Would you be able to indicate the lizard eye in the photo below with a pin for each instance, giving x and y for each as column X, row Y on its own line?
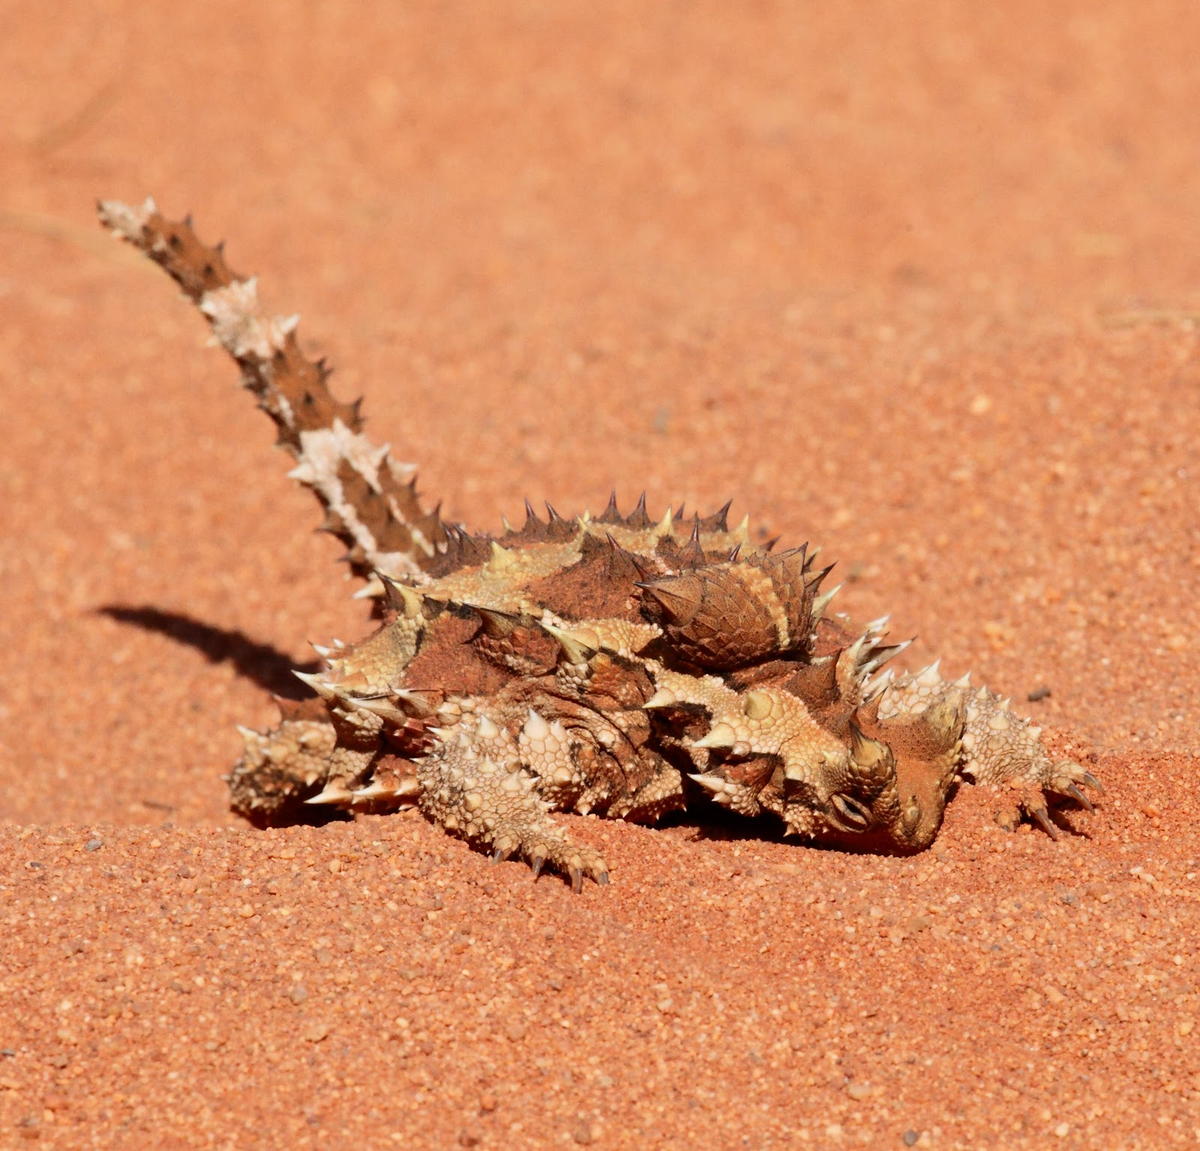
column 854, row 815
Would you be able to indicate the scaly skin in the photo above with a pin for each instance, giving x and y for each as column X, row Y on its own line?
column 613, row 664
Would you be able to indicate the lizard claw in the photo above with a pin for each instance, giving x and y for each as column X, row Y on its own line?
column 1079, row 797
column 1043, row 818
column 1062, row 778
column 583, row 861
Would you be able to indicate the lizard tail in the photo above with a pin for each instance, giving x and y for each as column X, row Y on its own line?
column 370, row 501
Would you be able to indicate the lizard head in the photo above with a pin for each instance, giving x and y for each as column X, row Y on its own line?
column 890, row 793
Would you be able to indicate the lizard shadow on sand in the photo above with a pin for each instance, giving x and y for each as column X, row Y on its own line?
column 260, row 663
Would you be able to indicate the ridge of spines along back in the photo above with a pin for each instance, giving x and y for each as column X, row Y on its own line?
column 636, row 536
column 370, row 502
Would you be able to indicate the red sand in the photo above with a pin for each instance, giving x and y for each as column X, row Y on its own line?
column 917, row 281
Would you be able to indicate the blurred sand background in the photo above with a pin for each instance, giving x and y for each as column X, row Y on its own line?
column 917, row 281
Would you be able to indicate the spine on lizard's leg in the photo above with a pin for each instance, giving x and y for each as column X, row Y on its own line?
column 370, row 501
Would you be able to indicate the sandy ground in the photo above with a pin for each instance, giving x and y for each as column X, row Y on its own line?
column 916, row 280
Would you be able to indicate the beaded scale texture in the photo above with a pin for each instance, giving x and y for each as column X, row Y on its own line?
column 613, row 664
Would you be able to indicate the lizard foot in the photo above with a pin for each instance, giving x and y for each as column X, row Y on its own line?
column 1028, row 794
column 1006, row 750
column 999, row 749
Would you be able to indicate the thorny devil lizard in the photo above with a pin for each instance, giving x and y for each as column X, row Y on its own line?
column 608, row 664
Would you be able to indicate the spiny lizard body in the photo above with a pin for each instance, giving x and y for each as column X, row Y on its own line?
column 614, row 664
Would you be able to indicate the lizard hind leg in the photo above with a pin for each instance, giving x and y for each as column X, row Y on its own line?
column 305, row 768
column 279, row 768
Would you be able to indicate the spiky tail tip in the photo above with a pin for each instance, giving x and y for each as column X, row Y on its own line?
column 370, row 501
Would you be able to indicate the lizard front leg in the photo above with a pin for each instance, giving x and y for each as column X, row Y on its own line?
column 475, row 785
column 999, row 748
